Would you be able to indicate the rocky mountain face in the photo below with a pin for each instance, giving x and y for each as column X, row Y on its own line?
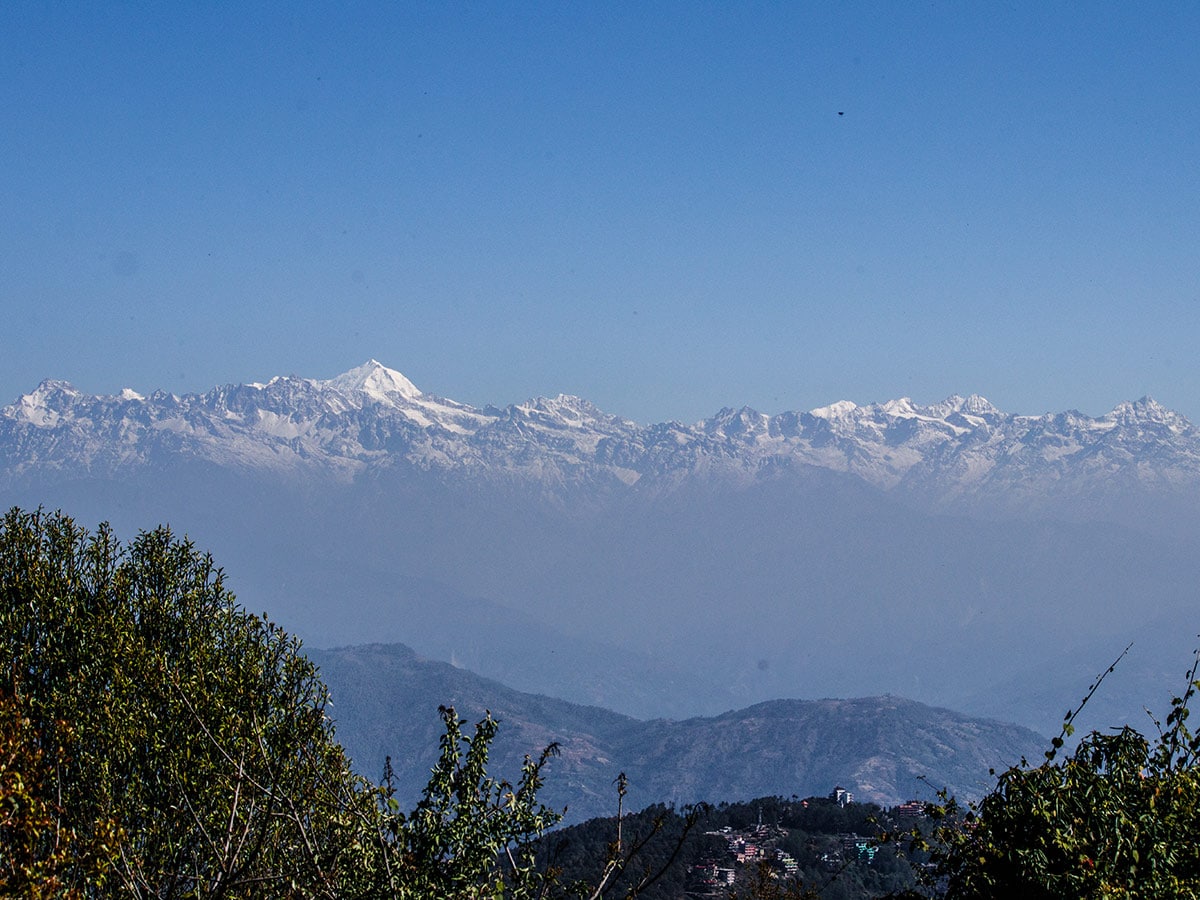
column 951, row 552
column 885, row 749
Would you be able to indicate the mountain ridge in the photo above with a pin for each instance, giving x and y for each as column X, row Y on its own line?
column 956, row 453
column 886, row 749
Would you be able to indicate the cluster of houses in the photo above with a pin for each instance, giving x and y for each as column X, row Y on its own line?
column 748, row 846
column 760, row 844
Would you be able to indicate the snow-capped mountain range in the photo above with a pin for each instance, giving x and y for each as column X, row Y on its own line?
column 949, row 454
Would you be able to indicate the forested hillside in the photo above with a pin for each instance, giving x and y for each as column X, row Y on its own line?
column 837, row 851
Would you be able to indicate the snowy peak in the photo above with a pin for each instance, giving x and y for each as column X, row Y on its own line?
column 1146, row 411
column 568, row 411
column 737, row 423
column 955, row 404
column 973, row 405
column 844, row 412
column 50, row 390
column 903, row 408
column 844, row 408
column 947, row 454
column 375, row 380
column 46, row 403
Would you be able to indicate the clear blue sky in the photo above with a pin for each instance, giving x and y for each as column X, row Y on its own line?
column 666, row 208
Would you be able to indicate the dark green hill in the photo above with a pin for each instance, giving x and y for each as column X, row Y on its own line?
column 884, row 749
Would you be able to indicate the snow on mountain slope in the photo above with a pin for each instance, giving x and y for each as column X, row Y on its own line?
column 953, row 452
column 376, row 381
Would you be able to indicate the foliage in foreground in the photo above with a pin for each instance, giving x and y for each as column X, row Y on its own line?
column 1119, row 817
column 38, row 853
column 156, row 740
column 468, row 822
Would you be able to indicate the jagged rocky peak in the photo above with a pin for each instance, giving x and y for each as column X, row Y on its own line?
column 978, row 406
column 1144, row 408
column 51, row 387
column 44, row 404
column 375, row 380
column 563, row 404
column 740, row 422
column 1147, row 411
column 907, row 408
column 973, row 405
column 902, row 407
column 566, row 410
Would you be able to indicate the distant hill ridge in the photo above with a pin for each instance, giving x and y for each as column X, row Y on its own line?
column 884, row 749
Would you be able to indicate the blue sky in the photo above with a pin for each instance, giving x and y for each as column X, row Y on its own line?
column 666, row 208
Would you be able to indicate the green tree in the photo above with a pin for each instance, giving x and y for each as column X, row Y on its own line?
column 1118, row 817
column 196, row 729
column 471, row 835
column 34, row 851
